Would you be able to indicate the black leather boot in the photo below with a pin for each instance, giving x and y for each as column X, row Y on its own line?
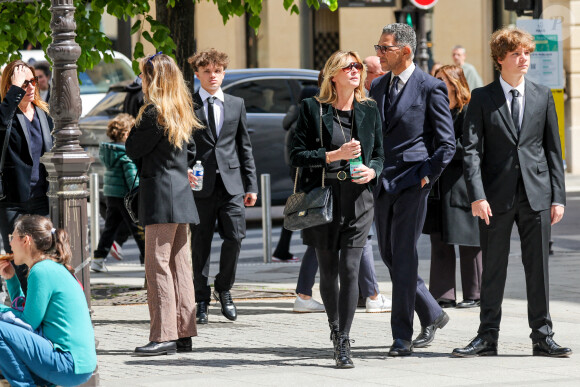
column 342, row 352
column 334, row 333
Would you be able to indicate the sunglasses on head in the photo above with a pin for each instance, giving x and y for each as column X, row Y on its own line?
column 33, row 82
column 353, row 65
column 149, row 61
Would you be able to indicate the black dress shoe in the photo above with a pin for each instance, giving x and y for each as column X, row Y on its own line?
column 548, row 347
column 467, row 303
column 445, row 303
column 428, row 333
column 478, row 347
column 184, row 344
column 228, row 308
column 201, row 312
column 154, row 348
column 401, row 348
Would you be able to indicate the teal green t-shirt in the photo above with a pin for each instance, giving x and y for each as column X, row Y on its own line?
column 56, row 301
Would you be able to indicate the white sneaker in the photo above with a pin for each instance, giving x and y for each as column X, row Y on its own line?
column 98, row 265
column 381, row 304
column 116, row 251
column 307, row 306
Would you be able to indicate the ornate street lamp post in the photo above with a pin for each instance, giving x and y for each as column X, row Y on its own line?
column 67, row 163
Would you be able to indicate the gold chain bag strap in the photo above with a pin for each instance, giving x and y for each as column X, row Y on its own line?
column 309, row 209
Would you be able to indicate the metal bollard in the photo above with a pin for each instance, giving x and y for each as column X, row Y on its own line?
column 94, row 223
column 266, row 217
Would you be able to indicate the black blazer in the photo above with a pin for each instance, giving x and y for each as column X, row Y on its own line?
column 418, row 131
column 164, row 190
column 230, row 154
column 495, row 154
column 18, row 162
column 311, row 156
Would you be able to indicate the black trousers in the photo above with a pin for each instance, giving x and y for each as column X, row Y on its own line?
column 399, row 221
column 116, row 215
column 229, row 212
column 442, row 271
column 534, row 229
column 9, row 212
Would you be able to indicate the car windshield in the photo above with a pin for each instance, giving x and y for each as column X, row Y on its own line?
column 102, row 76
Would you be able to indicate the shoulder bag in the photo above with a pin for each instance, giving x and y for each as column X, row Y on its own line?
column 309, row 209
column 132, row 202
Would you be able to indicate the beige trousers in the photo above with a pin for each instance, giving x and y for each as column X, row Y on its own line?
column 170, row 292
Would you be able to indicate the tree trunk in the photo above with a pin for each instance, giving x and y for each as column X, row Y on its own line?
column 180, row 21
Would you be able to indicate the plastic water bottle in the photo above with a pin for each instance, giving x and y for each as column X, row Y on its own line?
column 198, row 172
column 355, row 163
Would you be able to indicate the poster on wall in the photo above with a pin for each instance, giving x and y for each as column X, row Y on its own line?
column 547, row 61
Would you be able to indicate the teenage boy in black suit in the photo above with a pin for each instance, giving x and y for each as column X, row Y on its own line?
column 514, row 173
column 229, row 181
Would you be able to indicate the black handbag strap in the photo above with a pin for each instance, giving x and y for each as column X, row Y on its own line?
column 323, row 169
column 134, row 181
column 5, row 147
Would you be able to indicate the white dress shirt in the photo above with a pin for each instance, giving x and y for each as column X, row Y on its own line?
column 218, row 107
column 403, row 77
column 507, row 88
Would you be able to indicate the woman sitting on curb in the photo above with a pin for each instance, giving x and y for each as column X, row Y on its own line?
column 61, row 349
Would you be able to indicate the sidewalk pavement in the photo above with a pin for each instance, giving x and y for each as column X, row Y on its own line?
column 271, row 345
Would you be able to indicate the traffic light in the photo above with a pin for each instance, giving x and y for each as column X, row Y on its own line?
column 519, row 5
column 407, row 15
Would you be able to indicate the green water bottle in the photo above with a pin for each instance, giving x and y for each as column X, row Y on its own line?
column 355, row 163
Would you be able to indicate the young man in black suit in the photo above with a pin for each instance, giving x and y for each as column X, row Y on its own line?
column 514, row 172
column 418, row 141
column 229, row 182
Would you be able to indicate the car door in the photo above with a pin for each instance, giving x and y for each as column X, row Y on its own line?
column 267, row 100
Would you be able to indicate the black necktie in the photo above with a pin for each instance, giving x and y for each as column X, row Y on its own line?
column 394, row 90
column 211, row 117
column 515, row 109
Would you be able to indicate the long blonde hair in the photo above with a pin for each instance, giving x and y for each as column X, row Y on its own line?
column 166, row 90
column 7, row 82
column 334, row 64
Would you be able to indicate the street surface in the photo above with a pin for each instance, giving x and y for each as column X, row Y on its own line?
column 271, row 345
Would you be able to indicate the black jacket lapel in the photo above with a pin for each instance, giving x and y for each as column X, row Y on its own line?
column 498, row 97
column 45, row 128
column 200, row 113
column 407, row 96
column 530, row 104
column 22, row 120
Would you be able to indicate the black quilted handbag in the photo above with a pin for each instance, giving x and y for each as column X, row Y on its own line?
column 132, row 202
column 309, row 209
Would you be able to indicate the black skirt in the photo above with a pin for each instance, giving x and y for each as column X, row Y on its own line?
column 353, row 213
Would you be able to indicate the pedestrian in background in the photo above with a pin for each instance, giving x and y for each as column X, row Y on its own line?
column 160, row 145
column 55, row 342
column 449, row 221
column 351, row 128
column 44, row 74
column 458, row 54
column 120, row 177
column 24, row 115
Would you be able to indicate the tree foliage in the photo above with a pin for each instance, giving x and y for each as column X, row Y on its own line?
column 24, row 22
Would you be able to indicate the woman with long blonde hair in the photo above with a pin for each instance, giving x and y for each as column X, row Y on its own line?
column 25, row 128
column 351, row 133
column 161, row 146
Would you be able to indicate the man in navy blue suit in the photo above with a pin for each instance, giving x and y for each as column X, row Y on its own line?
column 419, row 142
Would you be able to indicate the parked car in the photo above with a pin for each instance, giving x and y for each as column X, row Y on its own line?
column 94, row 83
column 268, row 93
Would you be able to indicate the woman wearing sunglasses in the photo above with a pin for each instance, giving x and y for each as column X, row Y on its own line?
column 351, row 129
column 25, row 128
column 58, row 347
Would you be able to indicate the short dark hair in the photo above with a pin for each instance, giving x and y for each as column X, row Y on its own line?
column 43, row 66
column 209, row 57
